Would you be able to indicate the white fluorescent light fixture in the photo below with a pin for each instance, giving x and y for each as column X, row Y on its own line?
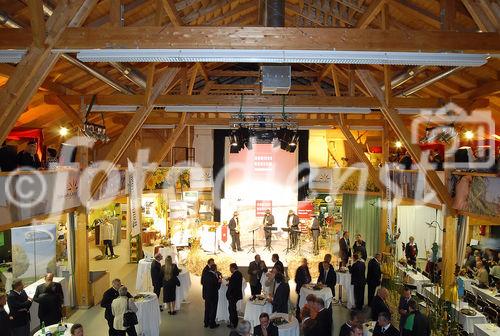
column 11, row 56
column 281, row 56
column 114, row 108
column 154, row 126
column 266, row 109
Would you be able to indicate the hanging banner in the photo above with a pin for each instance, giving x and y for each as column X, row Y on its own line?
column 134, row 202
column 305, row 209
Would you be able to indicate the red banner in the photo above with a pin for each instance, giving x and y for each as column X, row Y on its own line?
column 305, row 209
column 261, row 206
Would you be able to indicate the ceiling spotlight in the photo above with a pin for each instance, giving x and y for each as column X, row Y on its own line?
column 398, row 144
column 234, row 139
column 469, row 135
column 63, row 131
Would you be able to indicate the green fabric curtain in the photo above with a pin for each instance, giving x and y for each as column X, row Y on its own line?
column 362, row 218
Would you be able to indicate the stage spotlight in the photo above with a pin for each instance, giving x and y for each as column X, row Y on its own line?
column 469, row 135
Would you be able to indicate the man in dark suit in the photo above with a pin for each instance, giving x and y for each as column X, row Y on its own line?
column 379, row 303
column 265, row 328
column 8, row 158
column 278, row 264
column 315, row 230
column 384, row 326
column 327, row 275
column 416, row 323
column 211, row 282
column 359, row 247
column 205, row 281
column 234, row 230
column 19, row 305
column 345, row 248
column 268, row 221
column 302, row 277
column 234, row 293
column 256, row 269
column 403, row 307
column 5, row 318
column 157, row 276
column 292, row 222
column 29, row 157
column 281, row 295
column 411, row 252
column 373, row 276
column 107, row 299
column 358, row 280
column 323, row 319
column 50, row 299
column 346, row 328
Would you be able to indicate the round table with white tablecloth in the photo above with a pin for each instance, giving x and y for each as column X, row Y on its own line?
column 148, row 315
column 222, row 304
column 486, row 329
column 143, row 281
column 52, row 328
column 253, row 311
column 182, row 291
column 344, row 280
column 292, row 328
column 467, row 322
column 324, row 293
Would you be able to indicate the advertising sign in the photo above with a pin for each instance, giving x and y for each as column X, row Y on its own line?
column 261, row 207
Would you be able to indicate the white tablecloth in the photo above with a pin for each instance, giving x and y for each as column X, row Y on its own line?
column 487, row 329
column 143, row 279
column 344, row 279
column 253, row 311
column 487, row 295
column 291, row 328
column 468, row 282
column 263, row 280
column 148, row 315
column 222, row 305
column 181, row 293
column 325, row 293
column 53, row 328
column 368, row 328
column 416, row 279
column 468, row 322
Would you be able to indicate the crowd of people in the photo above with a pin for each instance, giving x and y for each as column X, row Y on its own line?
column 50, row 298
column 483, row 266
column 10, row 159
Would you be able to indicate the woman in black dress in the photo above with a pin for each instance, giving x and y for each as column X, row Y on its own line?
column 170, row 282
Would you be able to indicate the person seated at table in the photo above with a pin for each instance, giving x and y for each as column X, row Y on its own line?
column 234, row 293
column 76, row 330
column 323, row 319
column 243, row 328
column 170, row 283
column 416, row 324
column 308, row 324
column 50, row 299
column 384, row 326
column 379, row 303
column 266, row 327
column 157, row 276
column 481, row 275
column 403, row 308
column 119, row 307
column 495, row 272
column 281, row 295
column 311, row 305
column 327, row 275
column 411, row 252
column 357, row 330
column 354, row 319
column 256, row 269
column 302, row 277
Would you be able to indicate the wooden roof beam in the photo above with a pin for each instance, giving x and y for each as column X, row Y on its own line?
column 420, row 14
column 172, row 13
column 397, row 124
column 370, row 14
column 479, row 17
column 488, row 89
column 37, row 22
column 240, row 8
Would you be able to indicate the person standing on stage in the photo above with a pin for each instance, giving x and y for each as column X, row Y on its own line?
column 345, row 248
column 256, row 269
column 358, row 280
column 302, row 277
column 327, row 275
column 234, row 230
column 315, row 234
column 411, row 252
column 268, row 222
column 374, row 276
column 292, row 222
column 211, row 282
column 157, row 276
column 234, row 294
column 359, row 247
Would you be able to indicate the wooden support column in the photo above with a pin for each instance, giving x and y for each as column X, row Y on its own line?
column 81, row 272
column 37, row 22
column 447, row 14
column 167, row 146
column 449, row 247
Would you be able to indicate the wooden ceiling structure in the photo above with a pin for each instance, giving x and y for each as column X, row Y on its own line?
column 385, row 25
